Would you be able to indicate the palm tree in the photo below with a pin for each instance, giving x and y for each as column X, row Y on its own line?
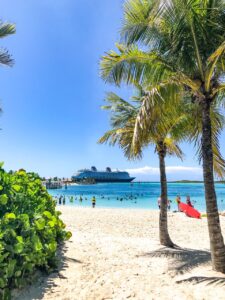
column 5, row 30
column 159, row 132
column 184, row 49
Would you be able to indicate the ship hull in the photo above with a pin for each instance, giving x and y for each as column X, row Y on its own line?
column 109, row 180
column 114, row 180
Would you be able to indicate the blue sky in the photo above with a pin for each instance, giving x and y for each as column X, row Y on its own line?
column 51, row 98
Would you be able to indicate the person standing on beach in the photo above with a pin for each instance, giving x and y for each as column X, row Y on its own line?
column 159, row 202
column 188, row 201
column 178, row 200
column 64, row 200
column 168, row 204
column 93, row 201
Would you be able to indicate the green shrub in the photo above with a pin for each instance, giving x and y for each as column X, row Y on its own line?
column 30, row 229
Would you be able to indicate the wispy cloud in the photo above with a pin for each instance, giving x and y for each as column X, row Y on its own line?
column 147, row 170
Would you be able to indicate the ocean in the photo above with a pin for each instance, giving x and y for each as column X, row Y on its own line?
column 137, row 195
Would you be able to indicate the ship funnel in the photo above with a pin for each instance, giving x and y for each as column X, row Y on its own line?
column 108, row 169
column 94, row 169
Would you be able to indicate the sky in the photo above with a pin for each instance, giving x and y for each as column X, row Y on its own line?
column 51, row 98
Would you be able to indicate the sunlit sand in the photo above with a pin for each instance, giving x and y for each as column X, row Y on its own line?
column 115, row 254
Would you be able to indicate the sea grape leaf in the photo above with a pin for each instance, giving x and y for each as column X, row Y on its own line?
column 10, row 216
column 3, row 282
column 16, row 187
column 19, row 239
column 3, row 199
column 18, row 273
column 51, row 223
column 11, row 267
column 68, row 235
column 37, row 243
column 47, row 214
column 40, row 223
column 18, row 248
column 21, row 172
column 52, row 246
column 3, row 256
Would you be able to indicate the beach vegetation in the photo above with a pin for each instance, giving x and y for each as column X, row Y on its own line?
column 30, row 230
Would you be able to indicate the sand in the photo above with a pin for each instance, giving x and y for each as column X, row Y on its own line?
column 115, row 254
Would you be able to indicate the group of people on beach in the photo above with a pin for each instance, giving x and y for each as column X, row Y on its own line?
column 178, row 201
column 61, row 200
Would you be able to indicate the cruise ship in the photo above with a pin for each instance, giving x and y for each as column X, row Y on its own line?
column 101, row 176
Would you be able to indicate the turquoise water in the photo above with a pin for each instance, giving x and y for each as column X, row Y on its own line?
column 137, row 195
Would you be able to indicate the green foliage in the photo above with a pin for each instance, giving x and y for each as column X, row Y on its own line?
column 30, row 229
column 173, row 49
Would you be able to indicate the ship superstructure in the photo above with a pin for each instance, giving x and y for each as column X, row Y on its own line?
column 102, row 176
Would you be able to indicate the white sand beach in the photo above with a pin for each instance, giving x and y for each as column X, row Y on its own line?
column 115, row 254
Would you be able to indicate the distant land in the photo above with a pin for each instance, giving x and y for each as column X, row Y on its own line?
column 194, row 181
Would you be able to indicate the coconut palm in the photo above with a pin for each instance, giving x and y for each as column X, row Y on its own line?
column 165, row 129
column 159, row 133
column 184, row 49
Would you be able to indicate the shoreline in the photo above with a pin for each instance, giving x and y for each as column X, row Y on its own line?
column 123, row 208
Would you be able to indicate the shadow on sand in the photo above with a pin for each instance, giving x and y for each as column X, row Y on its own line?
column 218, row 281
column 44, row 283
column 183, row 260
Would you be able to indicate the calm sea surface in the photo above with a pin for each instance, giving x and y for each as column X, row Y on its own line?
column 137, row 195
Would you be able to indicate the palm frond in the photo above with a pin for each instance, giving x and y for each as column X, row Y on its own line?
column 131, row 65
column 6, row 29
column 218, row 123
column 5, row 58
column 173, row 148
column 139, row 22
column 212, row 62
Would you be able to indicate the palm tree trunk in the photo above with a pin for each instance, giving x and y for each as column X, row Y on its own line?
column 215, row 235
column 163, row 228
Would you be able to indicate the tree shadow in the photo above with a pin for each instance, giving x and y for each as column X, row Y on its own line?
column 43, row 283
column 182, row 260
column 218, row 281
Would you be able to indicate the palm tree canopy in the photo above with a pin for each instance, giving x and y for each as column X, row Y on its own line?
column 160, row 127
column 184, row 42
column 170, row 124
column 185, row 33
column 183, row 57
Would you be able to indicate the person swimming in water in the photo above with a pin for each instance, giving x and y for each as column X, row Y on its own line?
column 93, row 201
